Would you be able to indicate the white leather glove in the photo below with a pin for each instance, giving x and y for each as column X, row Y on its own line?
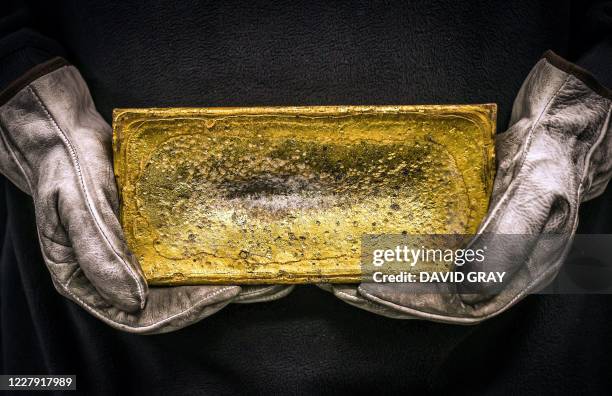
column 57, row 148
column 556, row 154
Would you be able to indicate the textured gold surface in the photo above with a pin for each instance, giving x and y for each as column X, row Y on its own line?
column 284, row 194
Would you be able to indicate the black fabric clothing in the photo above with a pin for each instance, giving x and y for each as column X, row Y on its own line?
column 189, row 53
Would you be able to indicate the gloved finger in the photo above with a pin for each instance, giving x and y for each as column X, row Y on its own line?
column 431, row 301
column 350, row 295
column 262, row 293
column 94, row 234
column 167, row 308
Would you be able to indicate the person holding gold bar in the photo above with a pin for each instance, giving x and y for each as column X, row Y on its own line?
column 255, row 146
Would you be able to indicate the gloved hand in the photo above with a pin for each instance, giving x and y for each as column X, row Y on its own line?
column 556, row 154
column 57, row 148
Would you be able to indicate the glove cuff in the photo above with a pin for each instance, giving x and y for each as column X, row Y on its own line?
column 565, row 103
column 31, row 75
column 580, row 73
column 9, row 163
column 599, row 165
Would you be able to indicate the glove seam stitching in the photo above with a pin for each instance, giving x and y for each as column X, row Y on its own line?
column 76, row 164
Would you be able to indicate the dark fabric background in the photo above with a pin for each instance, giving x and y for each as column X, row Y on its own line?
column 189, row 53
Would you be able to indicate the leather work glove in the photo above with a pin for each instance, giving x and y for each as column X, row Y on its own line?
column 556, row 154
column 57, row 148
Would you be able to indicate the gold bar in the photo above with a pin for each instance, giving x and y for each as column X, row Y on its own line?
column 284, row 194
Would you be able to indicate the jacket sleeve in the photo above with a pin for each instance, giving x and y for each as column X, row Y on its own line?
column 21, row 46
column 596, row 35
